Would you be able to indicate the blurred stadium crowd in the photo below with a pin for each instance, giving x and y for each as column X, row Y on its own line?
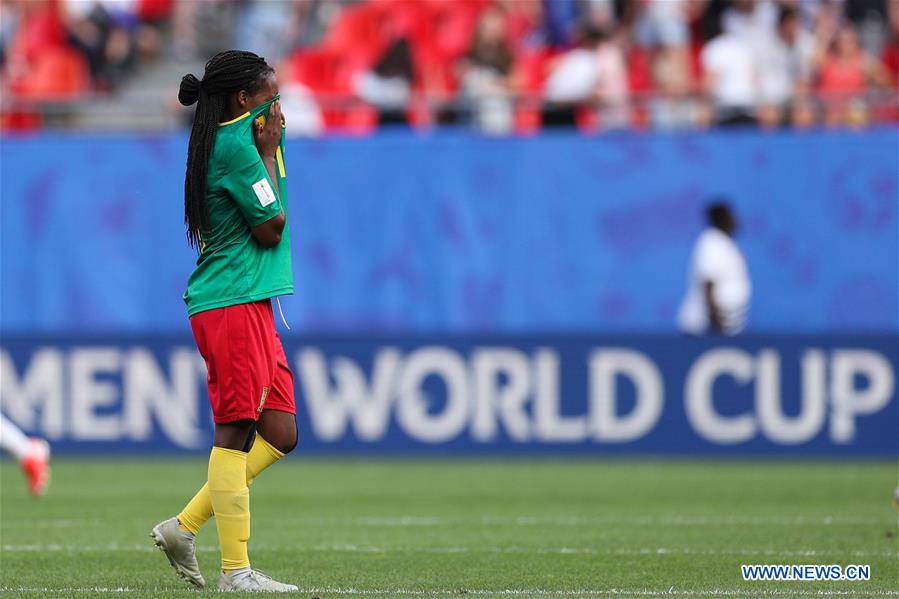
column 499, row 65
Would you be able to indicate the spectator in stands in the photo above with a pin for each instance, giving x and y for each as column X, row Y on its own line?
column 388, row 86
column 757, row 70
column 203, row 29
column 299, row 106
column 662, row 28
column 485, row 74
column 613, row 89
column 845, row 74
column 661, row 23
column 600, row 13
column 869, row 17
column 524, row 20
column 891, row 49
column 40, row 63
column 756, row 19
column 572, row 81
column 803, row 112
column 314, row 18
column 785, row 64
column 102, row 30
column 9, row 21
column 267, row 28
column 673, row 107
column 560, row 20
column 28, row 29
column 731, row 78
column 825, row 24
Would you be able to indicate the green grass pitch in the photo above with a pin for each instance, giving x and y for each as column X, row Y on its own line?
column 481, row 528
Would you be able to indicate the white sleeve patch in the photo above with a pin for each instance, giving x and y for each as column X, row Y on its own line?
column 264, row 192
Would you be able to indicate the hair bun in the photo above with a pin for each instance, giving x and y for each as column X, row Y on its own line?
column 189, row 92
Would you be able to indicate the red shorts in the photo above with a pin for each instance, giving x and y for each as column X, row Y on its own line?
column 245, row 361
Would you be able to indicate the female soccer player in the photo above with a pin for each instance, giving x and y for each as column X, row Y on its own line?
column 235, row 209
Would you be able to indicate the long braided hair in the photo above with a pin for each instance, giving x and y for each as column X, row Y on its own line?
column 226, row 73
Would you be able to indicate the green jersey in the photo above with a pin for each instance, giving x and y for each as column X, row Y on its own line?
column 233, row 268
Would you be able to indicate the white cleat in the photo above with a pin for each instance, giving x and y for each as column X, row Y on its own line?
column 252, row 581
column 181, row 548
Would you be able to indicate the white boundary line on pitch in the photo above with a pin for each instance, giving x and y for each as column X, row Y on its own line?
column 597, row 592
column 512, row 549
column 673, row 520
column 601, row 551
column 426, row 521
column 610, row 592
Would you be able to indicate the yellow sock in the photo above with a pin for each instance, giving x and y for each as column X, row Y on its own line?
column 262, row 455
column 199, row 509
column 231, row 504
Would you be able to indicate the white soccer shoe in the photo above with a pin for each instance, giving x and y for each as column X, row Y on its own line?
column 252, row 581
column 180, row 547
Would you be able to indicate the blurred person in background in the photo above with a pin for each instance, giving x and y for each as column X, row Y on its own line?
column 672, row 106
column 485, row 74
column 39, row 60
column 26, row 30
column 96, row 29
column 803, row 112
column 524, row 19
column 613, row 88
column 661, row 23
column 51, row 41
column 785, row 67
column 306, row 118
column 268, row 28
column 845, row 74
column 202, row 28
column 718, row 286
column 601, row 13
column 891, row 48
column 574, row 82
column 32, row 453
column 731, row 78
column 388, row 86
column 870, row 19
column 235, row 211
column 756, row 19
column 561, row 19
column 112, row 36
column 663, row 28
column 9, row 23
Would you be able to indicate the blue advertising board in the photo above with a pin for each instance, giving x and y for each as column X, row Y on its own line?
column 458, row 232
column 665, row 395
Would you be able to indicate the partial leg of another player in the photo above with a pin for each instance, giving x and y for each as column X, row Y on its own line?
column 33, row 455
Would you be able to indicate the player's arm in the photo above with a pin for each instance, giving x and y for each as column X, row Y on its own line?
column 714, row 314
column 268, row 138
column 268, row 234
